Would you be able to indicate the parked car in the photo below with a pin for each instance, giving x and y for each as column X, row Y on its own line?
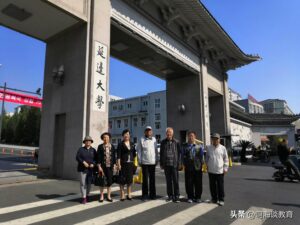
column 236, row 153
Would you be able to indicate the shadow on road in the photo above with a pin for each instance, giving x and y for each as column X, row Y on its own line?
column 286, row 204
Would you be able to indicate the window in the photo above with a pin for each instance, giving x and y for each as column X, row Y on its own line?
column 118, row 123
column 113, row 141
column 157, row 125
column 134, row 140
column 145, row 103
column 143, row 121
column 120, row 107
column 125, row 122
column 129, row 106
column 119, row 140
column 135, row 122
column 157, row 137
column 157, row 103
column 110, row 124
column 115, row 107
column 157, row 116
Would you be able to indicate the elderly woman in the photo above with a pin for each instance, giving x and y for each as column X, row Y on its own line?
column 86, row 158
column 126, row 153
column 106, row 161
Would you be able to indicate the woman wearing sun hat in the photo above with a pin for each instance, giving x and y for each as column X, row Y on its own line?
column 86, row 158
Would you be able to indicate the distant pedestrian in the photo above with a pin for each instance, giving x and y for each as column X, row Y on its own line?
column 106, row 161
column 147, row 158
column 86, row 158
column 192, row 155
column 126, row 153
column 170, row 162
column 217, row 165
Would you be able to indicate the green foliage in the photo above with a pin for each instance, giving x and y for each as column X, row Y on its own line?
column 23, row 128
column 244, row 144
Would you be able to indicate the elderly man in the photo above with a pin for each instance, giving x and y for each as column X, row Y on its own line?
column 148, row 158
column 192, row 155
column 170, row 161
column 217, row 166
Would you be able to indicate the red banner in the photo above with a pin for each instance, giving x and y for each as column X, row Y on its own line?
column 21, row 99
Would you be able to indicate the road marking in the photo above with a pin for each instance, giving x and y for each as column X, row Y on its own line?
column 188, row 215
column 124, row 213
column 31, row 205
column 61, row 212
column 254, row 219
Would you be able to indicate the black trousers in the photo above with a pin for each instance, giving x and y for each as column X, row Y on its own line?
column 148, row 175
column 216, row 185
column 171, row 174
column 193, row 183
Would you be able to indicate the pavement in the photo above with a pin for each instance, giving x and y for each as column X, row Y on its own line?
column 252, row 196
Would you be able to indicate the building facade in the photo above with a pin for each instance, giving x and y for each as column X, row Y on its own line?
column 136, row 113
column 233, row 95
column 251, row 105
column 276, row 106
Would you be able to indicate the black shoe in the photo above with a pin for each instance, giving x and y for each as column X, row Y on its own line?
column 152, row 197
column 144, row 198
column 129, row 198
column 109, row 200
column 122, row 199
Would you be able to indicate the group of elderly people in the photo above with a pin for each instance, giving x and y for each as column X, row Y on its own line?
column 117, row 165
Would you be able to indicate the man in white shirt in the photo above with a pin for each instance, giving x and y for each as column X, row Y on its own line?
column 217, row 166
column 148, row 158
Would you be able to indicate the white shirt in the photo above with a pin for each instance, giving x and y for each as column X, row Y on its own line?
column 147, row 151
column 216, row 159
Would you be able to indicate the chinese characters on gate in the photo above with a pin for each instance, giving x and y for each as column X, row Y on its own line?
column 100, row 77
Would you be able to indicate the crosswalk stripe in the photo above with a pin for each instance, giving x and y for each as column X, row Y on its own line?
column 61, row 212
column 253, row 219
column 124, row 213
column 187, row 215
column 31, row 205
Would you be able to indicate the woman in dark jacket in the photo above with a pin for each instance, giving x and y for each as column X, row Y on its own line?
column 86, row 158
column 126, row 154
column 106, row 160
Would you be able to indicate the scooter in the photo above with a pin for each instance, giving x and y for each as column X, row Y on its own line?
column 282, row 171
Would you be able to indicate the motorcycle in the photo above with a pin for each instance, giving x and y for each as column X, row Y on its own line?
column 262, row 154
column 282, row 173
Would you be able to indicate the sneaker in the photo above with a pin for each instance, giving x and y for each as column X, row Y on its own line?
column 176, row 200
column 221, row 203
column 212, row 201
column 169, row 198
column 190, row 200
column 198, row 200
column 84, row 201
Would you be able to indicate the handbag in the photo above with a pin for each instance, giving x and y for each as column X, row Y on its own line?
column 99, row 180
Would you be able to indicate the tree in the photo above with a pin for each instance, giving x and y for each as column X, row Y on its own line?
column 244, row 144
column 23, row 128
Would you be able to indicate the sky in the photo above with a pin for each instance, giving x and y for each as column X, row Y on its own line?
column 269, row 28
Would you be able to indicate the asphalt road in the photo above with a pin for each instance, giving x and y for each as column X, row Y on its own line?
column 248, row 188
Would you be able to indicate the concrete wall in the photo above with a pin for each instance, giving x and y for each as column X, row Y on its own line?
column 186, row 91
column 68, row 50
column 240, row 131
column 78, row 8
column 72, row 103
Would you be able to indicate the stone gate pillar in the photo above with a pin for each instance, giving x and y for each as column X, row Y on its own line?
column 76, row 91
